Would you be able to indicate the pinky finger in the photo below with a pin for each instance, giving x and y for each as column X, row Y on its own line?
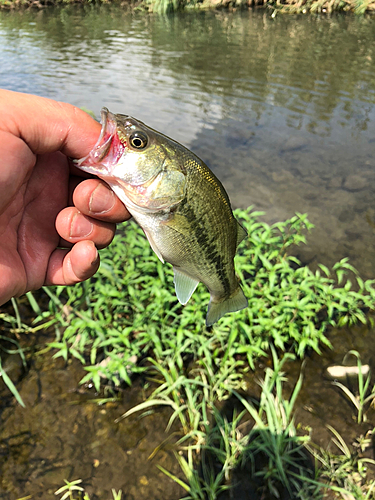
column 67, row 267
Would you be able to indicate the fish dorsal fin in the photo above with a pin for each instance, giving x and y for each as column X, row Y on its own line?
column 153, row 245
column 184, row 285
column 241, row 233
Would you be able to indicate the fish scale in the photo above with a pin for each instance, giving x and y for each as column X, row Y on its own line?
column 181, row 206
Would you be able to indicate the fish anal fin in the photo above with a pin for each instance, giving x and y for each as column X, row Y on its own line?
column 217, row 310
column 184, row 285
column 241, row 233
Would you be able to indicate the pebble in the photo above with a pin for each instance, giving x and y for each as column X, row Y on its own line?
column 294, row 143
column 338, row 371
column 355, row 182
column 282, row 176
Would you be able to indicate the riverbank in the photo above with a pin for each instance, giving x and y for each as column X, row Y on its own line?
column 168, row 6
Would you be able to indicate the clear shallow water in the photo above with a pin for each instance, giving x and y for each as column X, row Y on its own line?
column 281, row 109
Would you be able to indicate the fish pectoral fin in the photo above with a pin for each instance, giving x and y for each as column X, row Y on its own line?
column 178, row 223
column 167, row 189
column 241, row 233
column 184, row 285
column 216, row 310
column 153, row 245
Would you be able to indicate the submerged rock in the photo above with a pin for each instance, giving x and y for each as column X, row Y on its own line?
column 355, row 182
column 294, row 143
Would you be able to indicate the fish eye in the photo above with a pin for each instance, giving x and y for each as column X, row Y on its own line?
column 138, row 140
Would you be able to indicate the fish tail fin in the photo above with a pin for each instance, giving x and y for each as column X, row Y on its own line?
column 216, row 310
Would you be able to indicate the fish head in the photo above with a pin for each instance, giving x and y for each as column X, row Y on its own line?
column 140, row 164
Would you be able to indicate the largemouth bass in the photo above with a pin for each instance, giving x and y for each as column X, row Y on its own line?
column 181, row 206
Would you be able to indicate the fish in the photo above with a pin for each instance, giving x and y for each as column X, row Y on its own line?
column 179, row 203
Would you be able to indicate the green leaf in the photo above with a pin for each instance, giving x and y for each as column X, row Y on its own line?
column 10, row 385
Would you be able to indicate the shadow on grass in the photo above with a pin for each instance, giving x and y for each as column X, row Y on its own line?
column 270, row 465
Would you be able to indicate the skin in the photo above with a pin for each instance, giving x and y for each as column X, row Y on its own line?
column 52, row 218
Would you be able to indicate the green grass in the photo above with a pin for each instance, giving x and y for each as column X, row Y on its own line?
column 365, row 396
column 261, row 441
column 226, row 444
column 345, row 470
column 71, row 491
column 128, row 313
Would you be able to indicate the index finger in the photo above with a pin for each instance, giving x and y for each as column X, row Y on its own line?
column 47, row 125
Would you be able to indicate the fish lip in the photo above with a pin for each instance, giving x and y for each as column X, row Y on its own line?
column 92, row 163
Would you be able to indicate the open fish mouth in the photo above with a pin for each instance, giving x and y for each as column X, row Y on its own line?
column 107, row 150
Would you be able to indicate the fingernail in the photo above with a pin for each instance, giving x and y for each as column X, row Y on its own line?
column 102, row 200
column 95, row 259
column 95, row 262
column 80, row 227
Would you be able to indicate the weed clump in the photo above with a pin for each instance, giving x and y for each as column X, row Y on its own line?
column 128, row 312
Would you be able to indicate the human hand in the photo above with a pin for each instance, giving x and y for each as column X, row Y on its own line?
column 51, row 220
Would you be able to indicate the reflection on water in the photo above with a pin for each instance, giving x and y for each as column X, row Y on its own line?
column 281, row 109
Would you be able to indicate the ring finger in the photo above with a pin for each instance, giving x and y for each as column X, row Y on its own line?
column 73, row 226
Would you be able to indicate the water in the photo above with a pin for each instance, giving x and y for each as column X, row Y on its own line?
column 281, row 109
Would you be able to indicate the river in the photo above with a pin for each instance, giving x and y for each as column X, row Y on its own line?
column 282, row 109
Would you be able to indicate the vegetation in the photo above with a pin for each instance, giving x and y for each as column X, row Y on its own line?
column 71, row 489
column 126, row 320
column 262, row 442
column 275, row 6
column 169, row 6
column 128, row 313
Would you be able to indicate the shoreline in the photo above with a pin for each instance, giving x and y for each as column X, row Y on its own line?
column 169, row 6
